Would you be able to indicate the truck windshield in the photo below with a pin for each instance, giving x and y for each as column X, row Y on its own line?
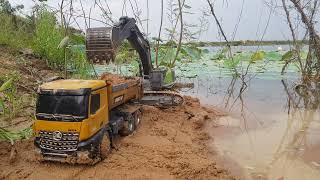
column 62, row 105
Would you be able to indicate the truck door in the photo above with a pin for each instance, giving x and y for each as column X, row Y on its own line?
column 98, row 109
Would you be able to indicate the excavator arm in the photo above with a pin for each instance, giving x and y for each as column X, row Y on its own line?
column 102, row 43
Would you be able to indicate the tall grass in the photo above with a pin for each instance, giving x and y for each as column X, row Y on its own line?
column 78, row 62
column 16, row 37
column 43, row 35
column 10, row 102
column 47, row 37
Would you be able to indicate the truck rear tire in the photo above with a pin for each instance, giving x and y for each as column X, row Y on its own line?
column 137, row 119
column 129, row 126
column 105, row 146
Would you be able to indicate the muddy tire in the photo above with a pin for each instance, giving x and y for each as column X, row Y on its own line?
column 128, row 127
column 105, row 146
column 137, row 119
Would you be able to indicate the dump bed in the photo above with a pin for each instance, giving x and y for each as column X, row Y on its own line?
column 122, row 89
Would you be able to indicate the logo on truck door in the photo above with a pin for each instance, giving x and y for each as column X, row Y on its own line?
column 118, row 99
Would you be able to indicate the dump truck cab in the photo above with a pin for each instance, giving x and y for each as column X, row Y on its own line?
column 74, row 122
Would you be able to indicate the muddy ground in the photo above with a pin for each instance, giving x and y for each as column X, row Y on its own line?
column 169, row 144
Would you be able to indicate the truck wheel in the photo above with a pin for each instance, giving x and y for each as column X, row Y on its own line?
column 128, row 127
column 105, row 146
column 137, row 119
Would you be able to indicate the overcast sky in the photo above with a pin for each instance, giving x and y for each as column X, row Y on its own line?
column 252, row 24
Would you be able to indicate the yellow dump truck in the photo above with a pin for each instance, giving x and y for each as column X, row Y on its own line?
column 76, row 120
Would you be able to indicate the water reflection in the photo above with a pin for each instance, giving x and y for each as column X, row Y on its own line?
column 303, row 110
column 274, row 126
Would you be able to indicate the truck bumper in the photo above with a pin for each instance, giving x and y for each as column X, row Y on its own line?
column 86, row 152
column 78, row 157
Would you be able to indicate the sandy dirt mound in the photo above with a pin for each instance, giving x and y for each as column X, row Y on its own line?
column 116, row 79
column 169, row 144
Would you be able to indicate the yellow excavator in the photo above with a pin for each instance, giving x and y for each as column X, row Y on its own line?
column 77, row 120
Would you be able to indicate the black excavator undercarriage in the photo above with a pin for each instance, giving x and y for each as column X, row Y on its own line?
column 101, row 47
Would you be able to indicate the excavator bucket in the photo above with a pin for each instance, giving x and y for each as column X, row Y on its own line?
column 99, row 45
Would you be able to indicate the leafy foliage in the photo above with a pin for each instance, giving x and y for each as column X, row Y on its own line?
column 232, row 62
column 169, row 76
column 16, row 37
column 222, row 54
column 78, row 62
column 191, row 53
column 42, row 33
column 6, row 7
column 257, row 56
column 47, row 39
column 3, row 88
column 11, row 136
column 10, row 102
column 287, row 56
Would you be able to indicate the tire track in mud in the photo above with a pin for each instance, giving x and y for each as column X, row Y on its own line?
column 170, row 144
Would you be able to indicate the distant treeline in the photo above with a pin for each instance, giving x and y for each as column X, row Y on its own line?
column 244, row 43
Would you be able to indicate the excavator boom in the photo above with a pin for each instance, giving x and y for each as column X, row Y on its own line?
column 102, row 44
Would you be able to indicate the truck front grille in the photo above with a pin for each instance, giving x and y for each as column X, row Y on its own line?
column 61, row 141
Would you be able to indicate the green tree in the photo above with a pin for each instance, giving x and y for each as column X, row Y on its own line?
column 8, row 9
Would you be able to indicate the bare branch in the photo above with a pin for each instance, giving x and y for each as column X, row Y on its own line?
column 159, row 35
column 181, row 34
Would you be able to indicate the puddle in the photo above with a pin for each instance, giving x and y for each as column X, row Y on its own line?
column 265, row 136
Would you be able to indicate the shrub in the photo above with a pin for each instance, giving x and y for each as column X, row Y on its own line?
column 78, row 62
column 47, row 38
column 15, row 37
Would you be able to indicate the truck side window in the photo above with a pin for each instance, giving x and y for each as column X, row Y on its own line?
column 95, row 103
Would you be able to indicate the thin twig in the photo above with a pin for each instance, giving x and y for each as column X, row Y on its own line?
column 159, row 35
column 181, row 34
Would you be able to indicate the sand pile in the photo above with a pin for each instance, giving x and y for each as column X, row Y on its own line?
column 116, row 79
column 169, row 144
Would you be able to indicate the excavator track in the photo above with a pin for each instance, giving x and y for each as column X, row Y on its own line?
column 162, row 99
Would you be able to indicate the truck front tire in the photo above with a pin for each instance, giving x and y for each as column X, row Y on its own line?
column 105, row 146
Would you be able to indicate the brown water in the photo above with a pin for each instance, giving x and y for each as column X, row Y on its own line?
column 266, row 135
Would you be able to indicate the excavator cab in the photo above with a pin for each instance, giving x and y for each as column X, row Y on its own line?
column 103, row 42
